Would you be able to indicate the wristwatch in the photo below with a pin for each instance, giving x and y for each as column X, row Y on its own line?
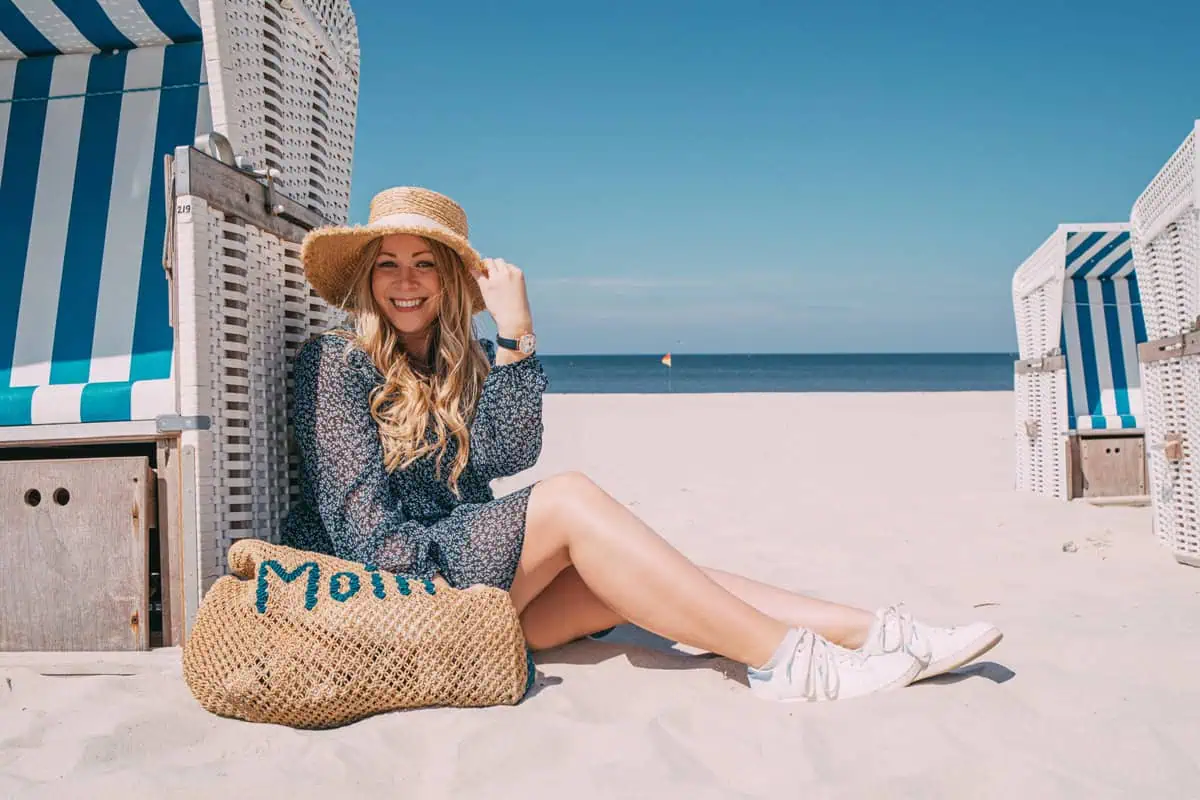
column 526, row 344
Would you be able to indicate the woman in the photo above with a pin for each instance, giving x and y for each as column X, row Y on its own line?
column 405, row 419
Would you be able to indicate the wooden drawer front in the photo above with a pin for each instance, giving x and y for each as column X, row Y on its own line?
column 1112, row 466
column 74, row 538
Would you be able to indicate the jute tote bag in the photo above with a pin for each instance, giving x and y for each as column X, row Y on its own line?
column 311, row 641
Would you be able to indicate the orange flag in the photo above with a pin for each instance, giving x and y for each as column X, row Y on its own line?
column 667, row 359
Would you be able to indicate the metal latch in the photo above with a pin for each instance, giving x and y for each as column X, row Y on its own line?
column 169, row 423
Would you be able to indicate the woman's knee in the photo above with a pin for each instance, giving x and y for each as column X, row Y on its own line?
column 567, row 494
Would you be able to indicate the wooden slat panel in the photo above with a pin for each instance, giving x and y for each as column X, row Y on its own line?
column 1046, row 364
column 170, row 537
column 75, row 571
column 1160, row 349
column 1112, row 466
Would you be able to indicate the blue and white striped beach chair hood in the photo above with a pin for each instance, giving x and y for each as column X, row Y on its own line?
column 91, row 99
column 1102, row 325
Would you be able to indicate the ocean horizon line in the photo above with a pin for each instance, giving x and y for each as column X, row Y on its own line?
column 686, row 353
column 774, row 372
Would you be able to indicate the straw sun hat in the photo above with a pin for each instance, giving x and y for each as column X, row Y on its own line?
column 331, row 254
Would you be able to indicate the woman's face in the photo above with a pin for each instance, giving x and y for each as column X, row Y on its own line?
column 405, row 283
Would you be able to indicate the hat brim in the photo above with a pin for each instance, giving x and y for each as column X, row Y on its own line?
column 331, row 254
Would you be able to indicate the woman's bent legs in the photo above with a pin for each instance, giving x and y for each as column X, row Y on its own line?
column 634, row 572
column 587, row 563
column 567, row 609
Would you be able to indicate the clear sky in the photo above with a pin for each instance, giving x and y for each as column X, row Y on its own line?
column 772, row 176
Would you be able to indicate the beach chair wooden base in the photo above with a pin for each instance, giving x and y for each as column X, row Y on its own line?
column 77, row 551
column 1109, row 466
column 121, row 197
column 64, row 447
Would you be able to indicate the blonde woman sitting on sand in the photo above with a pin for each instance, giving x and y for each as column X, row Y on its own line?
column 405, row 419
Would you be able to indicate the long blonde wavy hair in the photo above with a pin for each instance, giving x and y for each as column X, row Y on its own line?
column 409, row 403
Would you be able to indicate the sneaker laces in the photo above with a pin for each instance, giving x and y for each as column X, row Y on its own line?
column 821, row 659
column 898, row 631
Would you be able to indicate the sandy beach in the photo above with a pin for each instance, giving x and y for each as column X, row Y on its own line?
column 864, row 498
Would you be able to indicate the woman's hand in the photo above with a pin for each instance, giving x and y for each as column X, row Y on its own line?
column 503, row 290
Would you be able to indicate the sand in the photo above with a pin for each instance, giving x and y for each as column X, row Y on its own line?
column 867, row 499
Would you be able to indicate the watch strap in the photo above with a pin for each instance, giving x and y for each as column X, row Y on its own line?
column 525, row 344
column 507, row 344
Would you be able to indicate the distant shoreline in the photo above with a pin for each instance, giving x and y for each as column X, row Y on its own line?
column 856, row 354
column 729, row 373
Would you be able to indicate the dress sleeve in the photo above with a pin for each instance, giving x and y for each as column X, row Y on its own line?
column 340, row 447
column 506, row 434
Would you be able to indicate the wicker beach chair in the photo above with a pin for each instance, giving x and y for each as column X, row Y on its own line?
column 1079, row 405
column 151, row 294
column 1165, row 223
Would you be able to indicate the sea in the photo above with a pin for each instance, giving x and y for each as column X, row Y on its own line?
column 706, row 374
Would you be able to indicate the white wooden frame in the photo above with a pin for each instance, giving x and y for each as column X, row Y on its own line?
column 244, row 309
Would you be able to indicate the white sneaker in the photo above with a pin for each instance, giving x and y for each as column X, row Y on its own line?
column 811, row 668
column 938, row 650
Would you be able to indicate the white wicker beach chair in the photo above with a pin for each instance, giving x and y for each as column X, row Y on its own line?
column 150, row 296
column 283, row 76
column 1078, row 391
column 1166, row 245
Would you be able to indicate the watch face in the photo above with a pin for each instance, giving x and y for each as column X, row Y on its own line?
column 527, row 343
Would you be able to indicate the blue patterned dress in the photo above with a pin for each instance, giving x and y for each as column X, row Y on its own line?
column 409, row 521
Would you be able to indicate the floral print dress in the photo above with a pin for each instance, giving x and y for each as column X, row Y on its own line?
column 409, row 521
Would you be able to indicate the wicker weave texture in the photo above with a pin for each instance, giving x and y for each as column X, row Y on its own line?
column 1169, row 276
column 286, row 92
column 1040, row 433
column 1173, row 402
column 1053, row 388
column 1166, row 245
column 1186, row 538
column 1037, row 298
column 1041, row 397
column 248, row 312
column 1024, row 449
column 310, row 641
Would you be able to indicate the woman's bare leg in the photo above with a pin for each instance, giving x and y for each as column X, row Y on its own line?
column 567, row 609
column 844, row 625
column 634, row 572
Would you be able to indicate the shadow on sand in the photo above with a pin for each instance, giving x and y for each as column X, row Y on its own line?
column 647, row 650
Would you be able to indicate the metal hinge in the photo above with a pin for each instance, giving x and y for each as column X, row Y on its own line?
column 169, row 423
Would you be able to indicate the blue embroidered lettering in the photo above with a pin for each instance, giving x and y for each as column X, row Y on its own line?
column 336, row 592
column 377, row 582
column 310, row 592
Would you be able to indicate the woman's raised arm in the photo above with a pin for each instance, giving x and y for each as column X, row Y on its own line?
column 506, row 434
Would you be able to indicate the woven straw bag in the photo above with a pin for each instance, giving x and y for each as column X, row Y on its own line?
column 311, row 641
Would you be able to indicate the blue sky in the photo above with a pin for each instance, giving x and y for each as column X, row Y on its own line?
column 772, row 176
